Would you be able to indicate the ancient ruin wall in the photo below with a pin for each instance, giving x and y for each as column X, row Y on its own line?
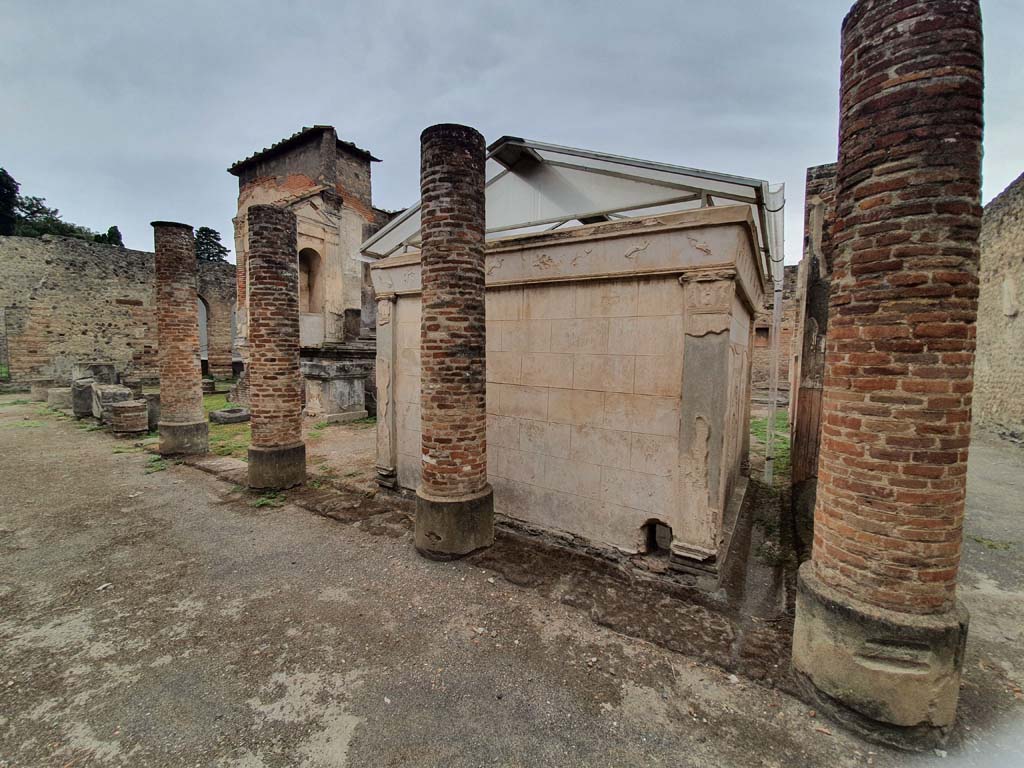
column 762, row 370
column 998, row 395
column 900, row 348
column 67, row 300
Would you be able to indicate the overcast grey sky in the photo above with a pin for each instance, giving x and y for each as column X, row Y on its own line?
column 122, row 113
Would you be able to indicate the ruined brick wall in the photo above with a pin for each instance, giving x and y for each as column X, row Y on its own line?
column 275, row 384
column 67, row 300
column 807, row 375
column 216, row 286
column 999, row 369
column 452, row 330
column 762, row 336
column 900, row 347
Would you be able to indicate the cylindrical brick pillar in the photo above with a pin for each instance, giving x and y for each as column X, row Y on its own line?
column 878, row 629
column 455, row 509
column 277, row 454
column 183, row 427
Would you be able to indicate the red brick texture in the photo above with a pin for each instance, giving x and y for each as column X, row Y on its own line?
column 900, row 346
column 275, row 383
column 177, row 323
column 452, row 333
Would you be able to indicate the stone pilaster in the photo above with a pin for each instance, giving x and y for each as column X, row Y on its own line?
column 879, row 634
column 455, row 511
column 183, row 427
column 387, row 424
column 277, row 454
column 708, row 299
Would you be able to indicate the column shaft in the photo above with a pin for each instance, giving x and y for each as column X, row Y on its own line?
column 455, row 511
column 878, row 627
column 277, row 454
column 183, row 427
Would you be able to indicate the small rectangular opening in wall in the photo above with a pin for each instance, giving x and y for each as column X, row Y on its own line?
column 761, row 336
column 657, row 538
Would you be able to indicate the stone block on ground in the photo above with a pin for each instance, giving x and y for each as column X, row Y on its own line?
column 59, row 397
column 229, row 416
column 101, row 373
column 104, row 395
column 81, row 398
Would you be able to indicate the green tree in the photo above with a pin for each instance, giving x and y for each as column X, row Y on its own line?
column 208, row 245
column 113, row 237
column 30, row 216
column 8, row 202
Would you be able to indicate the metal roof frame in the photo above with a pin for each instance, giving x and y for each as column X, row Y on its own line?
column 536, row 186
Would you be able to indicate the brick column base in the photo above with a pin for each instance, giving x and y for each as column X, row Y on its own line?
column 447, row 529
column 279, row 467
column 890, row 676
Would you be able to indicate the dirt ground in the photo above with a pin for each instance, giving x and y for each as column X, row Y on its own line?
column 155, row 614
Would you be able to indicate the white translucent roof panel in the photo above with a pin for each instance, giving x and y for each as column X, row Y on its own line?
column 533, row 186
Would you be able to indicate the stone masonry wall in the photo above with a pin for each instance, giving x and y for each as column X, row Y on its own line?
column 900, row 348
column 67, row 300
column 999, row 369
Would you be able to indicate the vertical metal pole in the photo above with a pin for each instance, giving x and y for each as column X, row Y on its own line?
column 773, row 380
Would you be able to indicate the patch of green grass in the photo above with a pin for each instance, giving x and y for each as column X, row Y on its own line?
column 993, row 544
column 322, row 425
column 369, row 421
column 217, row 402
column 315, row 483
column 230, row 439
column 15, row 402
column 759, row 431
column 25, row 424
column 125, row 449
column 156, row 464
column 270, row 499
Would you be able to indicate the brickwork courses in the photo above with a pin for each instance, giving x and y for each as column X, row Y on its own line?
column 183, row 427
column 66, row 301
column 277, row 455
column 455, row 513
column 898, row 379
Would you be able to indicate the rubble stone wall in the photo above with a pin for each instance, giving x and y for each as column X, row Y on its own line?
column 67, row 300
column 999, row 368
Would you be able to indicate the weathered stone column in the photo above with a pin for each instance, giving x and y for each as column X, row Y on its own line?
column 277, row 454
column 183, row 427
column 455, row 504
column 879, row 634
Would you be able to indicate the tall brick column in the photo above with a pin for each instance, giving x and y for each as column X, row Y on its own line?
column 183, row 427
column 455, row 509
column 879, row 635
column 277, row 454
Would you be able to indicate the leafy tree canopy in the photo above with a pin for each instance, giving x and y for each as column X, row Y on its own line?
column 30, row 216
column 209, row 246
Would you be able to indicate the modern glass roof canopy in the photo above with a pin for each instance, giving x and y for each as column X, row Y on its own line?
column 536, row 187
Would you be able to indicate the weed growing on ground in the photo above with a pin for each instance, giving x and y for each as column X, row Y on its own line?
column 24, row 424
column 369, row 421
column 993, row 544
column 270, row 499
column 125, row 449
column 156, row 464
column 15, row 402
column 315, row 483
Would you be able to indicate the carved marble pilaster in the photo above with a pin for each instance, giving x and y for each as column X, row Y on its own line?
column 387, row 428
column 708, row 306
